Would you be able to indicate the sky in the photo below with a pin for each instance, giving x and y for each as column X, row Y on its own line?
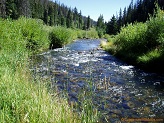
column 94, row 8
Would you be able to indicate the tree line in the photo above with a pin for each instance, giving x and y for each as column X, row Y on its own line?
column 139, row 11
column 52, row 13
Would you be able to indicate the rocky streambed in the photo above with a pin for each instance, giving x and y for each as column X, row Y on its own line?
column 117, row 90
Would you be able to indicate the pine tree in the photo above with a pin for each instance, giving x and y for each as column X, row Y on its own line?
column 75, row 17
column 112, row 26
column 11, row 9
column 24, row 8
column 88, row 22
column 3, row 9
column 100, row 26
column 51, row 14
column 124, row 16
column 119, row 21
column 80, row 23
column 69, row 21
column 45, row 19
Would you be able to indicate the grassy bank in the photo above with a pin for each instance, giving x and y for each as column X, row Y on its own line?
column 23, row 98
column 141, row 44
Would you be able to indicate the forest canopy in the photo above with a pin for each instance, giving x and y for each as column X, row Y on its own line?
column 52, row 13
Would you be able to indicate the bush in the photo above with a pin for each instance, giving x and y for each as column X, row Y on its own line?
column 92, row 33
column 34, row 34
column 142, row 43
column 60, row 36
column 155, row 32
column 132, row 38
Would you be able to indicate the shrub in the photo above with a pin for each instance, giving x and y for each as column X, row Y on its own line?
column 92, row 33
column 60, row 36
column 34, row 34
column 132, row 38
column 155, row 32
column 142, row 43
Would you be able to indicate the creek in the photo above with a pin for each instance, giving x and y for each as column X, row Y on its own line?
column 118, row 90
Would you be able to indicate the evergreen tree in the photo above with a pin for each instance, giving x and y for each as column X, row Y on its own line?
column 45, row 15
column 75, row 17
column 119, row 21
column 3, row 9
column 124, row 16
column 56, row 14
column 24, row 8
column 88, row 22
column 45, row 19
column 80, row 23
column 63, row 21
column 11, row 9
column 100, row 26
column 129, row 13
column 51, row 14
column 112, row 26
column 69, row 21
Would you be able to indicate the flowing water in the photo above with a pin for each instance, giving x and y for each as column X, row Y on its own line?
column 118, row 90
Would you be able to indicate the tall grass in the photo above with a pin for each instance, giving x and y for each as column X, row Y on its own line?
column 21, row 99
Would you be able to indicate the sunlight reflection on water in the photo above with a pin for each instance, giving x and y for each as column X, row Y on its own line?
column 120, row 90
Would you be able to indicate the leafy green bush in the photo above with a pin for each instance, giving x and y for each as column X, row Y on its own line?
column 132, row 38
column 60, row 36
column 100, row 32
column 142, row 43
column 155, row 32
column 34, row 34
column 10, row 36
column 92, row 33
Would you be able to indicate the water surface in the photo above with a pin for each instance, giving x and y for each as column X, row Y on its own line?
column 119, row 90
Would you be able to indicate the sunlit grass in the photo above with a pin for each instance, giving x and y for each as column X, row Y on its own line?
column 23, row 98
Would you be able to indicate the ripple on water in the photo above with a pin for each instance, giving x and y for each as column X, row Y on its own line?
column 120, row 90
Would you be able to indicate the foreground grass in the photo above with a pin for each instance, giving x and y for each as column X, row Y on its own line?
column 22, row 101
column 23, row 98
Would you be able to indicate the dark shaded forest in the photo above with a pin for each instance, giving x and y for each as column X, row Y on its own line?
column 52, row 13
column 57, row 14
column 135, row 12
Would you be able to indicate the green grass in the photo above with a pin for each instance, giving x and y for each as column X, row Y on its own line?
column 23, row 98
